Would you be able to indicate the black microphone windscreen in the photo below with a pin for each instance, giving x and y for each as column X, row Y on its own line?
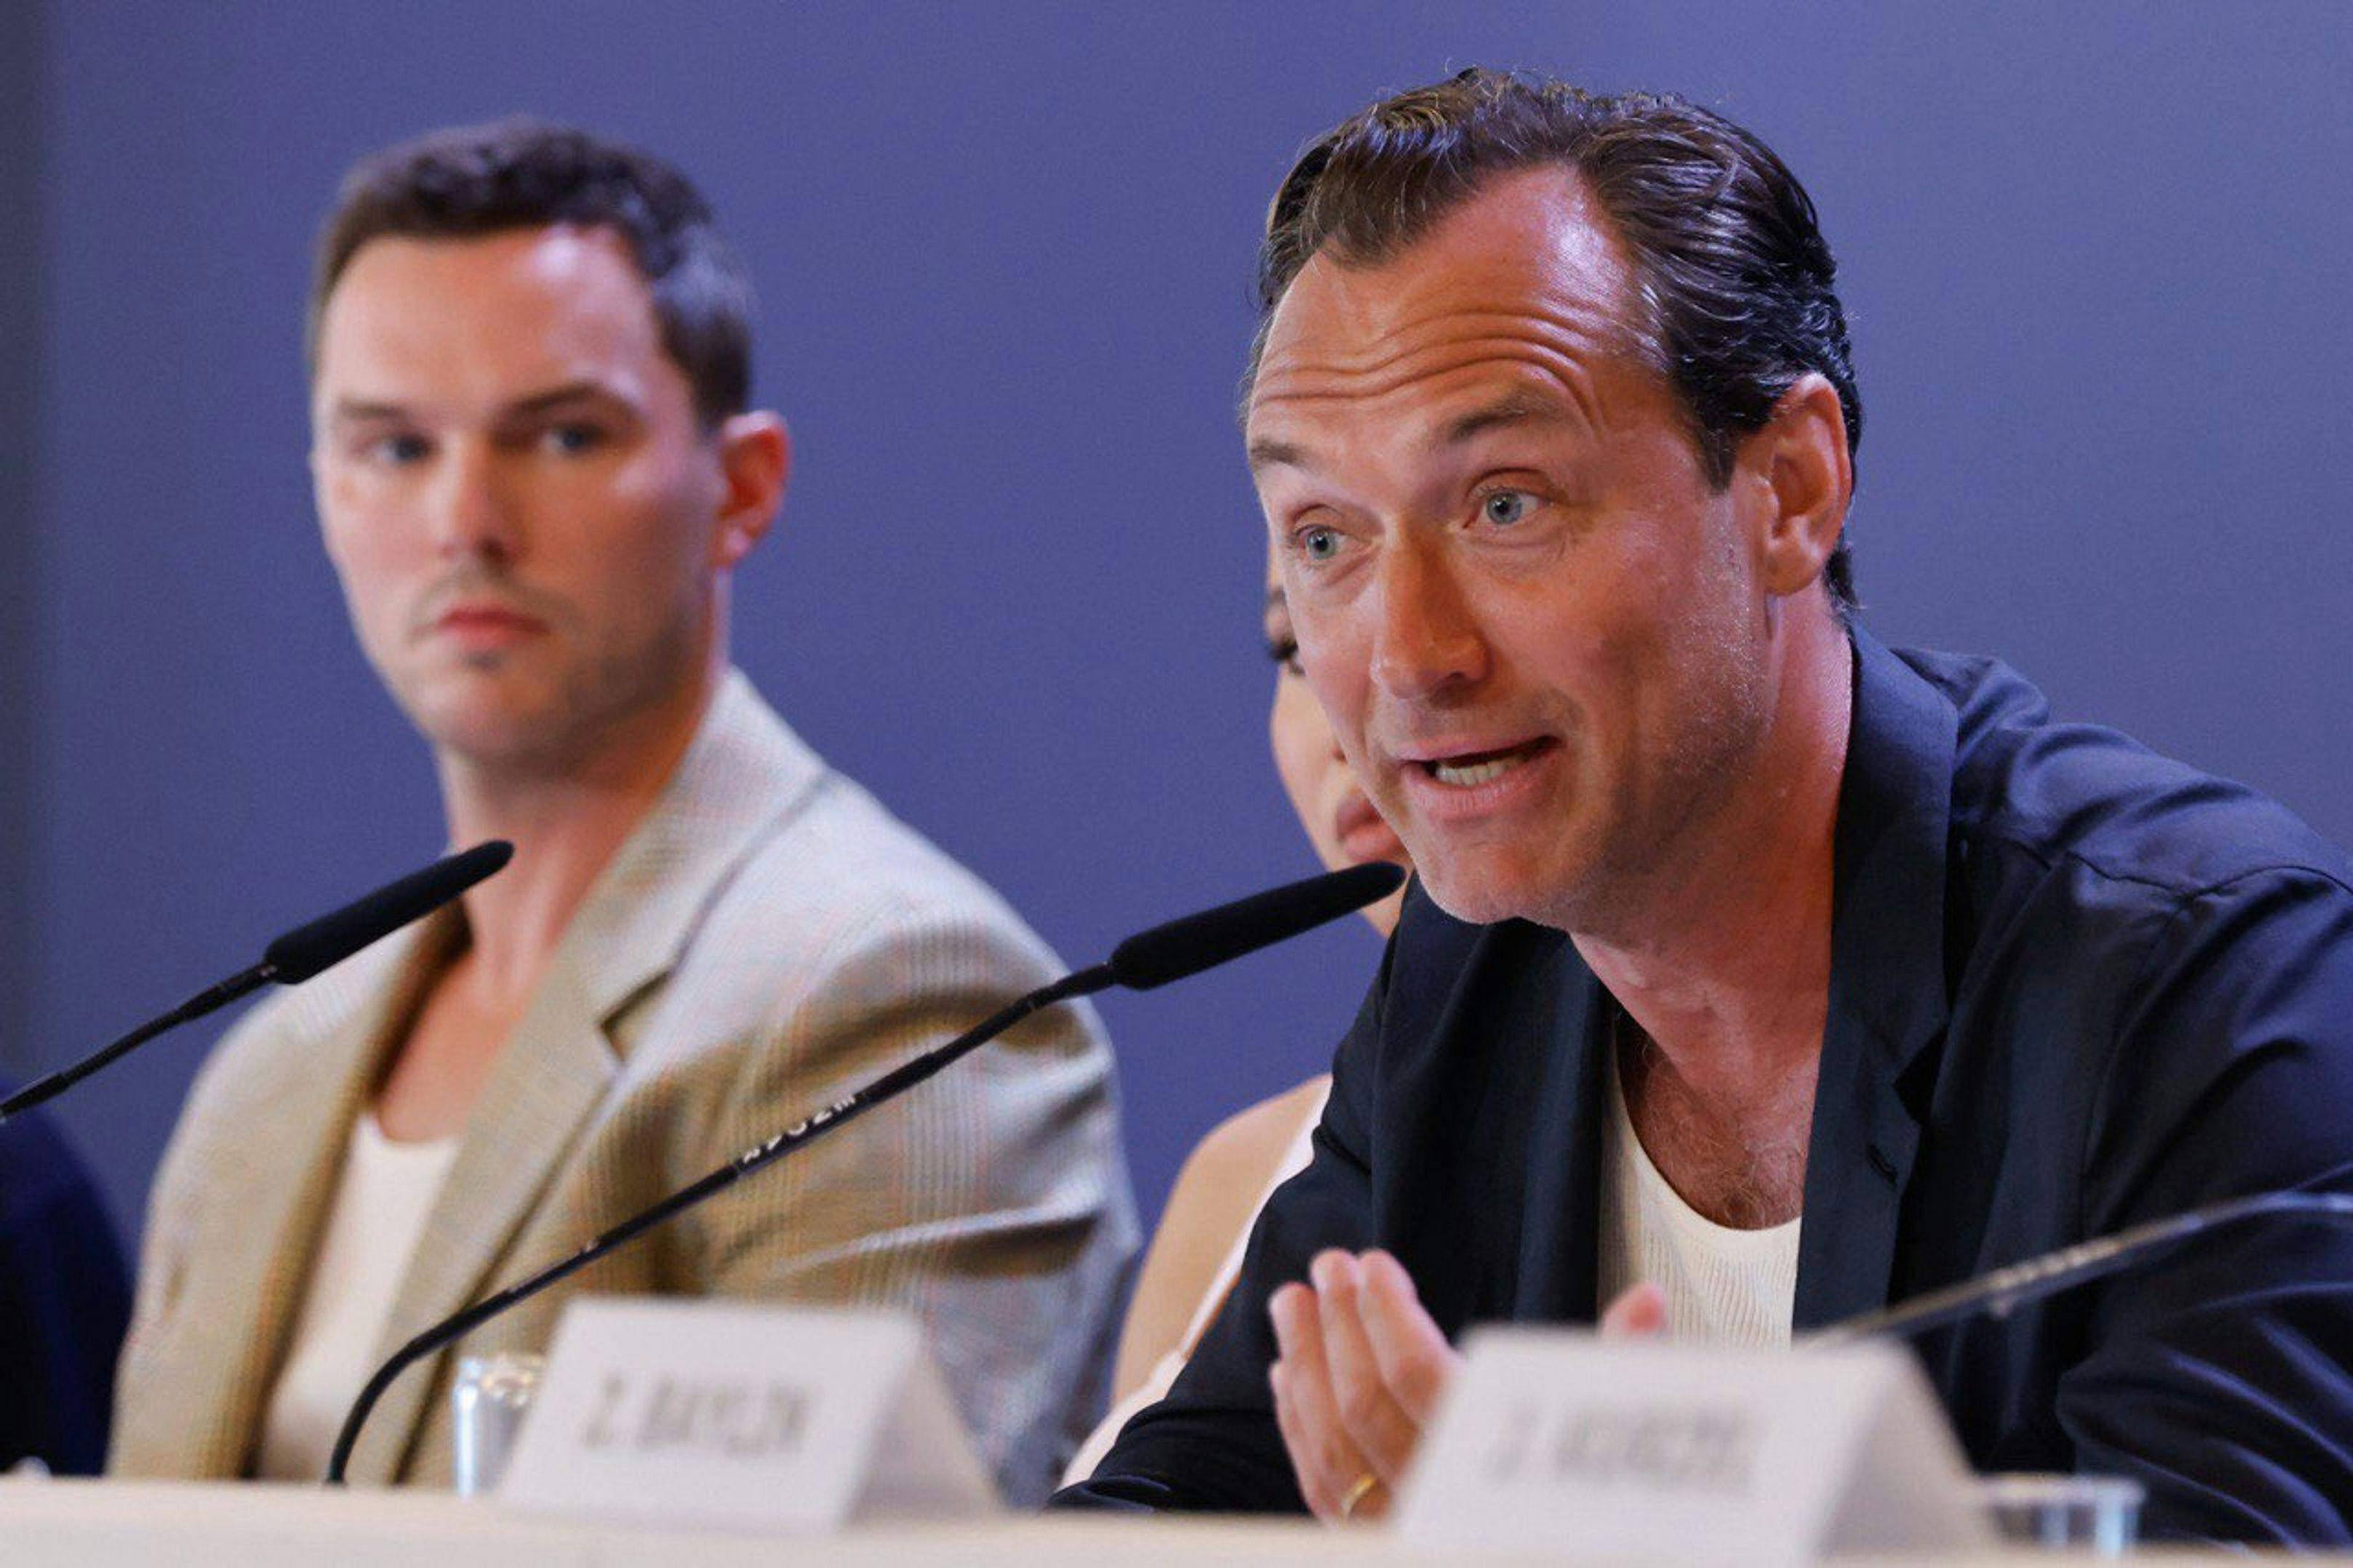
column 330, row 939
column 1196, row 943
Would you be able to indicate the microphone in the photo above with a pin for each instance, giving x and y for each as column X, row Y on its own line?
column 1148, row 959
column 333, row 938
column 1188, row 945
column 2006, row 1289
column 296, row 956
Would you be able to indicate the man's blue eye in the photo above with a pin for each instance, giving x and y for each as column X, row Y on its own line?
column 1319, row 544
column 1507, row 507
column 400, row 448
column 573, row 437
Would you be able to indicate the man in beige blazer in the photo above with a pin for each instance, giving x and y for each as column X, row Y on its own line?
column 535, row 468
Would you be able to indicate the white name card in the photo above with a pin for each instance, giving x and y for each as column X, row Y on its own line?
column 1556, row 1441
column 722, row 1413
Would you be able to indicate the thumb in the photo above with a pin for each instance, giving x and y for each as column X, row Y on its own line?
column 1639, row 1313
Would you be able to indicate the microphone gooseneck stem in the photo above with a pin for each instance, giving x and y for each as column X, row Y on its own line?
column 1086, row 982
column 297, row 955
column 1148, row 959
column 196, row 1007
column 2006, row 1289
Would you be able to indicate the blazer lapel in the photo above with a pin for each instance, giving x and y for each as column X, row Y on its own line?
column 564, row 1055
column 550, row 1074
column 1560, row 1229
column 1888, row 997
column 260, row 1251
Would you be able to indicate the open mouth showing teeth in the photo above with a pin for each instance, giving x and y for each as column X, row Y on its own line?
column 1478, row 767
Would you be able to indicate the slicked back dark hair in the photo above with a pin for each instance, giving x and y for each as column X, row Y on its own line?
column 1729, row 263
column 477, row 180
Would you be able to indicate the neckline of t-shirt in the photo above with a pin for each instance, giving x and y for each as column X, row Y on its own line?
column 370, row 1132
column 1770, row 1241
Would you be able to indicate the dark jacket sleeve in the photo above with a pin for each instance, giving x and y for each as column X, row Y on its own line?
column 1212, row 1444
column 64, row 1303
column 2221, row 1375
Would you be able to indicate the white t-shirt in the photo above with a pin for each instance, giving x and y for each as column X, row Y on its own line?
column 1723, row 1286
column 379, row 1210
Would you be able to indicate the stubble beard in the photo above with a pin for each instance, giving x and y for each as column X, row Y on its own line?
column 1643, row 851
column 1671, row 832
column 1667, row 827
column 558, row 732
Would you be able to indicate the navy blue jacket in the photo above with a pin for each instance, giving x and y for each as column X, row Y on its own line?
column 64, row 1303
column 2073, row 986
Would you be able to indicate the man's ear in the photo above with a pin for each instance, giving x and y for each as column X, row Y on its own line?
column 1803, row 475
column 755, row 455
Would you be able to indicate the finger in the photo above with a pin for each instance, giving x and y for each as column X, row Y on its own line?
column 1323, row 1449
column 1375, row 1423
column 1318, row 1496
column 1639, row 1313
column 1359, row 1496
column 1416, row 1362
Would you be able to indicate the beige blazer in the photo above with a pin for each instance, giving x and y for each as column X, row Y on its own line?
column 766, row 939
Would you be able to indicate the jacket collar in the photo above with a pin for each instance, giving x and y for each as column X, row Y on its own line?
column 1889, row 995
column 1559, row 1265
column 283, row 1164
column 743, row 772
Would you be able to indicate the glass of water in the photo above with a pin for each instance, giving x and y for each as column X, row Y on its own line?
column 2096, row 1514
column 487, row 1405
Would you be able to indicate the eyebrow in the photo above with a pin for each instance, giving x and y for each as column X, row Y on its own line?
column 570, row 392
column 360, row 410
column 1266, row 454
column 349, row 408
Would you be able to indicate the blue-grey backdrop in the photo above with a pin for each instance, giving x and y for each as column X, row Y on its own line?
column 2096, row 256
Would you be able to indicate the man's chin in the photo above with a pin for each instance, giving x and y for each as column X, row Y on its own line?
column 1479, row 894
column 497, row 735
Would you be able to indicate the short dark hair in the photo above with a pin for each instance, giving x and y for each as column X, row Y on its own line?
column 524, row 174
column 1729, row 259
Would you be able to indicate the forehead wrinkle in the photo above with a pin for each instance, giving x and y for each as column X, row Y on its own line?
column 1518, row 407
column 1529, row 250
column 1573, row 323
column 1305, row 387
column 1354, row 353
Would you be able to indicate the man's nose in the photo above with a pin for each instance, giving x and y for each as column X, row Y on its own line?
column 473, row 511
column 1428, row 638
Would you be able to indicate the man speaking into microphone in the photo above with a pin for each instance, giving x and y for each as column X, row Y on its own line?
column 537, row 466
column 1758, row 973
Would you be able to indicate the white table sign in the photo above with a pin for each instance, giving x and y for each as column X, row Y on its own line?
column 724, row 1412
column 1556, row 1441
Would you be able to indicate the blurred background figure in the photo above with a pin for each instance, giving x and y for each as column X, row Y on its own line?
column 1197, row 1250
column 63, row 1303
column 537, row 467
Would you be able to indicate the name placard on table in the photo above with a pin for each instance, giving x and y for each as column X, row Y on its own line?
column 731, row 1414
column 1559, row 1442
